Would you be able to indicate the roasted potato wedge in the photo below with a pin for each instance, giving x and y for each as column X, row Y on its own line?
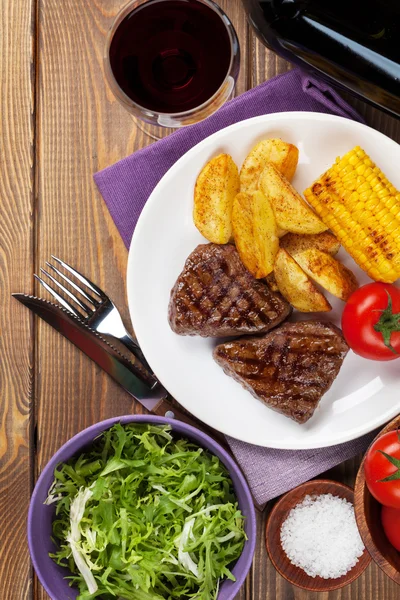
column 291, row 211
column 281, row 154
column 325, row 241
column 296, row 286
column 216, row 186
column 254, row 232
column 328, row 272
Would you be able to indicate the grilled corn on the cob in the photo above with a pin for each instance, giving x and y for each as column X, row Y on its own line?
column 362, row 208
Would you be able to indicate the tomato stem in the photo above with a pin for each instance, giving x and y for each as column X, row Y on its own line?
column 395, row 462
column 388, row 323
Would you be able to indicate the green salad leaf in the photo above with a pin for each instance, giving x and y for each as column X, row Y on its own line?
column 145, row 516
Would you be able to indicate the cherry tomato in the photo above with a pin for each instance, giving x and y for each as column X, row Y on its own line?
column 371, row 321
column 391, row 524
column 382, row 469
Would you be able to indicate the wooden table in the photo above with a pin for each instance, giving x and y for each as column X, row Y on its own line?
column 59, row 124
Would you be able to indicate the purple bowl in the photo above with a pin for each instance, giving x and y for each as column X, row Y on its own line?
column 40, row 516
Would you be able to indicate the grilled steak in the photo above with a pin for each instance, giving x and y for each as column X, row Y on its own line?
column 215, row 296
column 290, row 368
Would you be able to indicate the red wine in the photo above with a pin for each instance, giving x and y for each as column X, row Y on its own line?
column 170, row 56
column 355, row 43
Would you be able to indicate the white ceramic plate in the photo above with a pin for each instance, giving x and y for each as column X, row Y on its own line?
column 365, row 394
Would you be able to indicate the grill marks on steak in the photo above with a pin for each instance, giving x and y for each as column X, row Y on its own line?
column 215, row 296
column 290, row 368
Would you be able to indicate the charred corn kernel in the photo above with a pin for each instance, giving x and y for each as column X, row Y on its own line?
column 362, row 208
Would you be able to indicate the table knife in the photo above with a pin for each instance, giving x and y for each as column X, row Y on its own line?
column 129, row 373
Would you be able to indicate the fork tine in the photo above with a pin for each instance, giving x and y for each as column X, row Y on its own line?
column 57, row 296
column 81, row 278
column 72, row 284
column 81, row 304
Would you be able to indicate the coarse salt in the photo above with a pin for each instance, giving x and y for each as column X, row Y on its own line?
column 320, row 536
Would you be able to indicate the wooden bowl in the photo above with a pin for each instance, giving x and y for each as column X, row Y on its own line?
column 282, row 564
column 368, row 515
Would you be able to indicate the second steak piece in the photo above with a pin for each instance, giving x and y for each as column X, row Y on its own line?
column 215, row 296
column 290, row 368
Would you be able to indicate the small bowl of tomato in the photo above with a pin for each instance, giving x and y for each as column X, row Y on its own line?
column 377, row 500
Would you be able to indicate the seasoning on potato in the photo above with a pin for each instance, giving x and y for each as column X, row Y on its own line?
column 295, row 285
column 291, row 211
column 282, row 155
column 216, row 186
column 331, row 274
column 254, row 232
column 325, row 241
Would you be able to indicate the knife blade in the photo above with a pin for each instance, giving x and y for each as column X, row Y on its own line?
column 131, row 375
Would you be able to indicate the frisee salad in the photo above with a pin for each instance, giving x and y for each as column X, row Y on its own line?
column 143, row 515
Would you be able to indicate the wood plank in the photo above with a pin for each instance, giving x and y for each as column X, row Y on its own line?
column 16, row 324
column 234, row 10
column 81, row 128
column 265, row 64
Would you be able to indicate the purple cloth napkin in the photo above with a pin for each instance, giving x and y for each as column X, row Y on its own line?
column 126, row 187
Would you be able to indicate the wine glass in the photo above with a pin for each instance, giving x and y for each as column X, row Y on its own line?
column 171, row 63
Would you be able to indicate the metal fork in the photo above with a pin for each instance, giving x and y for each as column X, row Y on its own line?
column 99, row 311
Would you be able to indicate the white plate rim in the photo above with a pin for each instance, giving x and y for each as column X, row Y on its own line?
column 351, row 434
